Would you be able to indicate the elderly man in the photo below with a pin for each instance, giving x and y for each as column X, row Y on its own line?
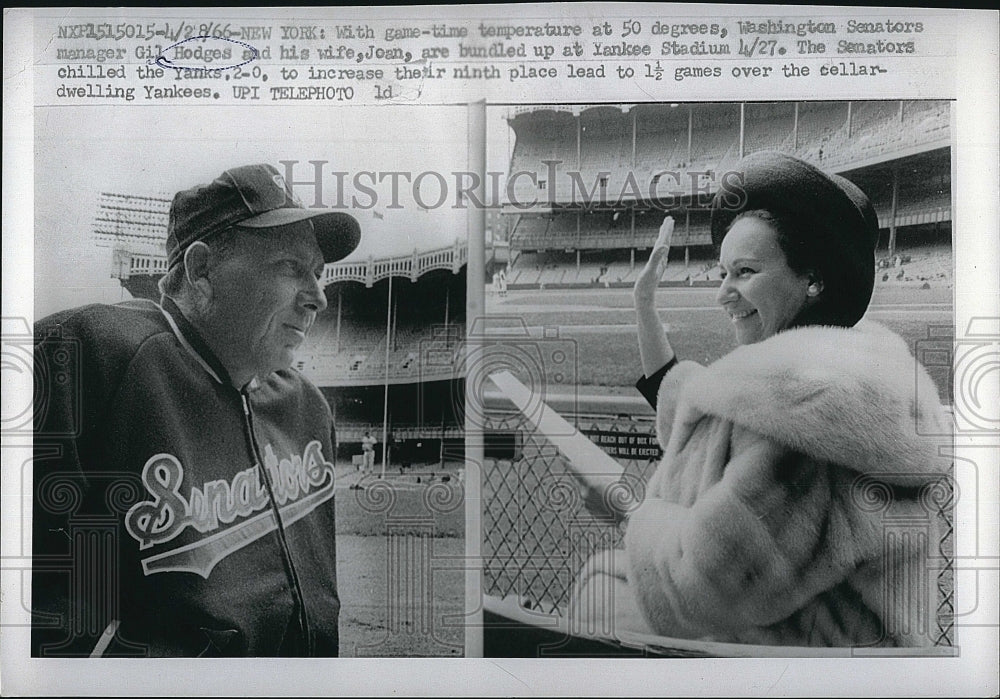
column 183, row 476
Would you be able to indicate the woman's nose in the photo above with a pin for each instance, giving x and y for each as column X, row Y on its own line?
column 726, row 292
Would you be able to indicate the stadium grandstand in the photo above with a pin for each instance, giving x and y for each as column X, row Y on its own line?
column 587, row 190
column 588, row 186
column 384, row 350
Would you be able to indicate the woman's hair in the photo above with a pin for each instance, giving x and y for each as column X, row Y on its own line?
column 799, row 257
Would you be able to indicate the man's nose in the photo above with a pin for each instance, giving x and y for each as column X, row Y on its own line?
column 313, row 296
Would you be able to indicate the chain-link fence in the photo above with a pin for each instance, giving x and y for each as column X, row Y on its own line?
column 537, row 533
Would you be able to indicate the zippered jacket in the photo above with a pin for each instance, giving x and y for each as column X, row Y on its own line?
column 174, row 514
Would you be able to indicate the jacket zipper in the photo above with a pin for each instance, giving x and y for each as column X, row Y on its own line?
column 285, row 551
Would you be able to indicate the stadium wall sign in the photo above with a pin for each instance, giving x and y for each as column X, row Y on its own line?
column 627, row 445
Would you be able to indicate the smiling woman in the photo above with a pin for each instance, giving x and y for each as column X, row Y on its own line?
column 783, row 460
column 760, row 289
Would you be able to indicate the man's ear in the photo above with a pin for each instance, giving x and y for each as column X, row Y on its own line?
column 198, row 261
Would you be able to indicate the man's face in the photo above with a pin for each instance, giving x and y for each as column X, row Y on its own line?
column 266, row 293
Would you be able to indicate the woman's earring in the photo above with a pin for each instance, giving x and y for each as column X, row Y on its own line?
column 813, row 289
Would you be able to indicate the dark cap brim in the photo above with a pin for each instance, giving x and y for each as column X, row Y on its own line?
column 337, row 233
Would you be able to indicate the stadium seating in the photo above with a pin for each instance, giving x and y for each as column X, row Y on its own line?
column 594, row 227
column 415, row 353
column 873, row 116
column 546, row 135
column 768, row 126
column 562, row 231
column 607, row 166
column 530, row 233
column 877, row 130
column 818, row 123
column 526, row 268
column 656, row 151
column 587, row 273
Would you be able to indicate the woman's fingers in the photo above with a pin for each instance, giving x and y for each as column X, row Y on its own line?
column 649, row 277
column 666, row 235
column 661, row 248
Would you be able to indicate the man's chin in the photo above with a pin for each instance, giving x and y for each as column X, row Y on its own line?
column 285, row 360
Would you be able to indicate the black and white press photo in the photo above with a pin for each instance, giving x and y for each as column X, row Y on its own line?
column 714, row 438
column 500, row 349
column 247, row 426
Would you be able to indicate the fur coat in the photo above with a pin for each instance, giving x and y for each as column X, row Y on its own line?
column 794, row 504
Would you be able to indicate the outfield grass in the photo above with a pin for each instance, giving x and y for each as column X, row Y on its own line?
column 884, row 294
column 602, row 334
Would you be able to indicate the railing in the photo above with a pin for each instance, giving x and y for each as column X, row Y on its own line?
column 911, row 217
column 128, row 264
column 537, row 534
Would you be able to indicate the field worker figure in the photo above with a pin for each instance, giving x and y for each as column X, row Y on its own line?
column 368, row 453
column 502, row 282
column 183, row 471
column 785, row 461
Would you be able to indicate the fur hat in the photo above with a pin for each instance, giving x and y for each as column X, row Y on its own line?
column 833, row 224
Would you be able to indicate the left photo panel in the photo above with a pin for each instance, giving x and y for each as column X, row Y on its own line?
column 247, row 405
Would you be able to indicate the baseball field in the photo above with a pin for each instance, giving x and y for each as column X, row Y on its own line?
column 400, row 550
column 596, row 329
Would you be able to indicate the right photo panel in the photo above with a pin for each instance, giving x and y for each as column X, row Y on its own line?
column 716, row 400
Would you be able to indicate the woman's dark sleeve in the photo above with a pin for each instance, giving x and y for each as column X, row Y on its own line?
column 649, row 386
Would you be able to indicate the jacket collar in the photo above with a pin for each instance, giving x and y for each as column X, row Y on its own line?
column 192, row 342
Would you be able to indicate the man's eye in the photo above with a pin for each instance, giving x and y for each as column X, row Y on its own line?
column 292, row 266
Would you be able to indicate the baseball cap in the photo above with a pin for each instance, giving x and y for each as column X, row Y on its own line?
column 252, row 196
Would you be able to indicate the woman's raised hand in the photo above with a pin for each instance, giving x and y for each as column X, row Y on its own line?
column 649, row 277
column 654, row 347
